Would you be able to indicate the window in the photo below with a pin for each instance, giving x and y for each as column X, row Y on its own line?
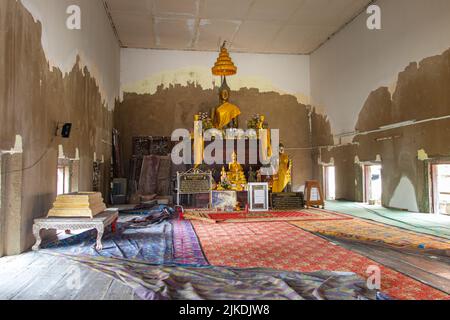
column 2, row 217
column 67, row 176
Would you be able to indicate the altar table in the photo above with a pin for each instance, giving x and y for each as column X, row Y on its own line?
column 99, row 222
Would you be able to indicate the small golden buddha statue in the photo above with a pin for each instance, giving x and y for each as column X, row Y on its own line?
column 224, row 183
column 236, row 174
column 261, row 122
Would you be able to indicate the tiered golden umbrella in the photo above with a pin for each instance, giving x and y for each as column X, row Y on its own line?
column 224, row 66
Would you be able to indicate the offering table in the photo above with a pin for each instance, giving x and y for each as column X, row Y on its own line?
column 99, row 222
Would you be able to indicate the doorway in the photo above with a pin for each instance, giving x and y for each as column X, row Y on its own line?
column 2, row 217
column 441, row 188
column 373, row 184
column 67, row 176
column 329, row 173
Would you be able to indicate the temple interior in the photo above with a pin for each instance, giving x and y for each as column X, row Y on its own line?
column 228, row 145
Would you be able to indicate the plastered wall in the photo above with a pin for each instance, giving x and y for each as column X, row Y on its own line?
column 357, row 61
column 357, row 83
column 38, row 91
column 162, row 90
column 384, row 93
column 95, row 43
column 142, row 71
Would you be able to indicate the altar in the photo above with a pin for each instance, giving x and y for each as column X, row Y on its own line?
column 228, row 158
column 229, row 200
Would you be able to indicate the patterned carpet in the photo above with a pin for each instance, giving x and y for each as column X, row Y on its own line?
column 372, row 231
column 186, row 248
column 279, row 245
column 235, row 217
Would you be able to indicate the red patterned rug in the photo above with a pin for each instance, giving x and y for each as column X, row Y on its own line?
column 234, row 217
column 279, row 245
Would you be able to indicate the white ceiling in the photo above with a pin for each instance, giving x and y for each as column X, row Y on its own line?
column 263, row 26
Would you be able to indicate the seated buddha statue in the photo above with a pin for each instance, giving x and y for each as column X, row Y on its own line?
column 236, row 174
column 224, row 183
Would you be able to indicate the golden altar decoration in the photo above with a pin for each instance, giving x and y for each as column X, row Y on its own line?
column 224, row 66
column 258, row 123
column 224, row 183
column 80, row 204
column 225, row 114
column 225, row 119
column 199, row 145
column 236, row 174
column 234, row 179
column 283, row 176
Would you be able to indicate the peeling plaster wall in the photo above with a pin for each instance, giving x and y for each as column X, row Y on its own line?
column 420, row 111
column 33, row 99
column 95, row 43
column 404, row 196
column 164, row 89
column 142, row 71
column 387, row 85
column 171, row 108
column 357, row 61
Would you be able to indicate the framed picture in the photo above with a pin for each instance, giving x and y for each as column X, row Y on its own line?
column 224, row 200
column 258, row 196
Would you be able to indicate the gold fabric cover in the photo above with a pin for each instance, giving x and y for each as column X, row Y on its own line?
column 225, row 114
column 282, row 178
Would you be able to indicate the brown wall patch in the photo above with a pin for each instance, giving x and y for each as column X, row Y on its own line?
column 33, row 100
column 174, row 107
column 422, row 95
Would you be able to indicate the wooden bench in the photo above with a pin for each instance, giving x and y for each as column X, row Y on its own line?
column 99, row 222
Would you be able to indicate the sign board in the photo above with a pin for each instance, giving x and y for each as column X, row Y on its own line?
column 192, row 183
column 258, row 196
column 287, row 200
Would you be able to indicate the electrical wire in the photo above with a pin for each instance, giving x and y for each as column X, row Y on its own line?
column 35, row 163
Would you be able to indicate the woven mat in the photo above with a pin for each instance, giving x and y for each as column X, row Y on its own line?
column 371, row 231
column 236, row 217
column 282, row 246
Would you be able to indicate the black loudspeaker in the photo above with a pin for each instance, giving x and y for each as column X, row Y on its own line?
column 63, row 130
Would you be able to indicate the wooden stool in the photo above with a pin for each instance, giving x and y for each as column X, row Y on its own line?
column 313, row 194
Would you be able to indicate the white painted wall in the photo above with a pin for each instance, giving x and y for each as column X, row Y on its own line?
column 404, row 196
column 357, row 61
column 143, row 70
column 95, row 43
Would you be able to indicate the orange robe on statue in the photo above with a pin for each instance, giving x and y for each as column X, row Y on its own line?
column 225, row 114
column 283, row 177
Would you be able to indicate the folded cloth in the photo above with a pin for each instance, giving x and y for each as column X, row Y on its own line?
column 152, row 282
column 158, row 218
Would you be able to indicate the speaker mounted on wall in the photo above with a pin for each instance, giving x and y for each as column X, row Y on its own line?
column 63, row 130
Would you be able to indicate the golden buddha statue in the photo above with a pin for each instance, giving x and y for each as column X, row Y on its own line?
column 223, row 184
column 283, row 177
column 236, row 174
column 226, row 115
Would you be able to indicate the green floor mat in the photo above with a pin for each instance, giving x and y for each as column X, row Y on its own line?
column 436, row 225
